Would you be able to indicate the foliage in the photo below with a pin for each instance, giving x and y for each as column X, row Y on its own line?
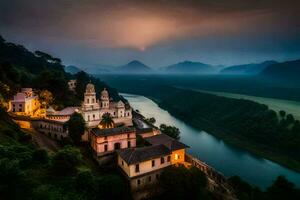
column 76, row 127
column 151, row 120
column 280, row 189
column 41, row 156
column 66, row 161
column 13, row 183
column 171, row 131
column 106, row 121
column 182, row 183
column 46, row 98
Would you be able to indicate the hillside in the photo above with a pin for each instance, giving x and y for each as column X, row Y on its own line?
column 189, row 67
column 289, row 70
column 72, row 69
column 134, row 67
column 20, row 67
column 247, row 69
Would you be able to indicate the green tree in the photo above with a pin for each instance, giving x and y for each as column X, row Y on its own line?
column 106, row 121
column 282, row 113
column 171, row 131
column 282, row 189
column 151, row 120
column 66, row 161
column 76, row 127
column 46, row 98
column 107, row 187
column 86, row 183
column 182, row 183
column 40, row 156
column 290, row 118
column 13, row 183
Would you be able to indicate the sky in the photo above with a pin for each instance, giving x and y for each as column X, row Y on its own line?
column 90, row 33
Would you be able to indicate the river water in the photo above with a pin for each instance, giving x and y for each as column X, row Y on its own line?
column 225, row 158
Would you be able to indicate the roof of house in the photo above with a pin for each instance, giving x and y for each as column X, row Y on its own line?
column 68, row 111
column 112, row 131
column 144, row 130
column 166, row 140
column 136, row 155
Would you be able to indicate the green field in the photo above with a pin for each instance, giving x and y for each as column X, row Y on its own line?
column 291, row 107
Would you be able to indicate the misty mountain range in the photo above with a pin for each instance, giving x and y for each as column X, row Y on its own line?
column 288, row 69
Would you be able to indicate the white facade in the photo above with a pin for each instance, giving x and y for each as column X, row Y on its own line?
column 93, row 109
column 25, row 102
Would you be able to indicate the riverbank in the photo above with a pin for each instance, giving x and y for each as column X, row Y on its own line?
column 241, row 142
column 291, row 107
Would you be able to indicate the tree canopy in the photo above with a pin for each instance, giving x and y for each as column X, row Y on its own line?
column 76, row 127
column 171, row 131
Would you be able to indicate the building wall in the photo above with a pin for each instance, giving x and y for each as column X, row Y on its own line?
column 178, row 156
column 145, row 180
column 52, row 129
column 146, row 166
column 98, row 142
column 148, row 175
column 27, row 107
column 123, row 165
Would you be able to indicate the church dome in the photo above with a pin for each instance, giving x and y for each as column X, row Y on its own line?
column 104, row 93
column 90, row 88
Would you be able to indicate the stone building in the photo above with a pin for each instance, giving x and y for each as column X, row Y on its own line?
column 62, row 115
column 54, row 129
column 106, row 141
column 93, row 109
column 25, row 102
column 142, row 166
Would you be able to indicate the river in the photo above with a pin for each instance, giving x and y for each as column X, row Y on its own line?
column 225, row 158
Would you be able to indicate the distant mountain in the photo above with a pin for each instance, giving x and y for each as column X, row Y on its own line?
column 189, row 67
column 134, row 67
column 247, row 69
column 72, row 69
column 99, row 69
column 289, row 70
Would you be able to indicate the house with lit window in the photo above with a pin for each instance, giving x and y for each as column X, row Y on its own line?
column 142, row 166
column 106, row 141
column 25, row 102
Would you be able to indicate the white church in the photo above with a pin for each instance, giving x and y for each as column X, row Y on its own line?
column 93, row 109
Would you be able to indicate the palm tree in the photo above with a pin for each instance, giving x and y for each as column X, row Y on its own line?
column 106, row 121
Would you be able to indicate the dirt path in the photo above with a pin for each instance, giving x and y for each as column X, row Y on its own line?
column 43, row 141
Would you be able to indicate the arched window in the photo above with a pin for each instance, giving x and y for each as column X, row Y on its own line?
column 88, row 100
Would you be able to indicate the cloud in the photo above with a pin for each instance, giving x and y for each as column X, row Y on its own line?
column 137, row 24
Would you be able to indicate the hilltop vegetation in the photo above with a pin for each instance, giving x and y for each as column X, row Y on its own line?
column 27, row 172
column 22, row 68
